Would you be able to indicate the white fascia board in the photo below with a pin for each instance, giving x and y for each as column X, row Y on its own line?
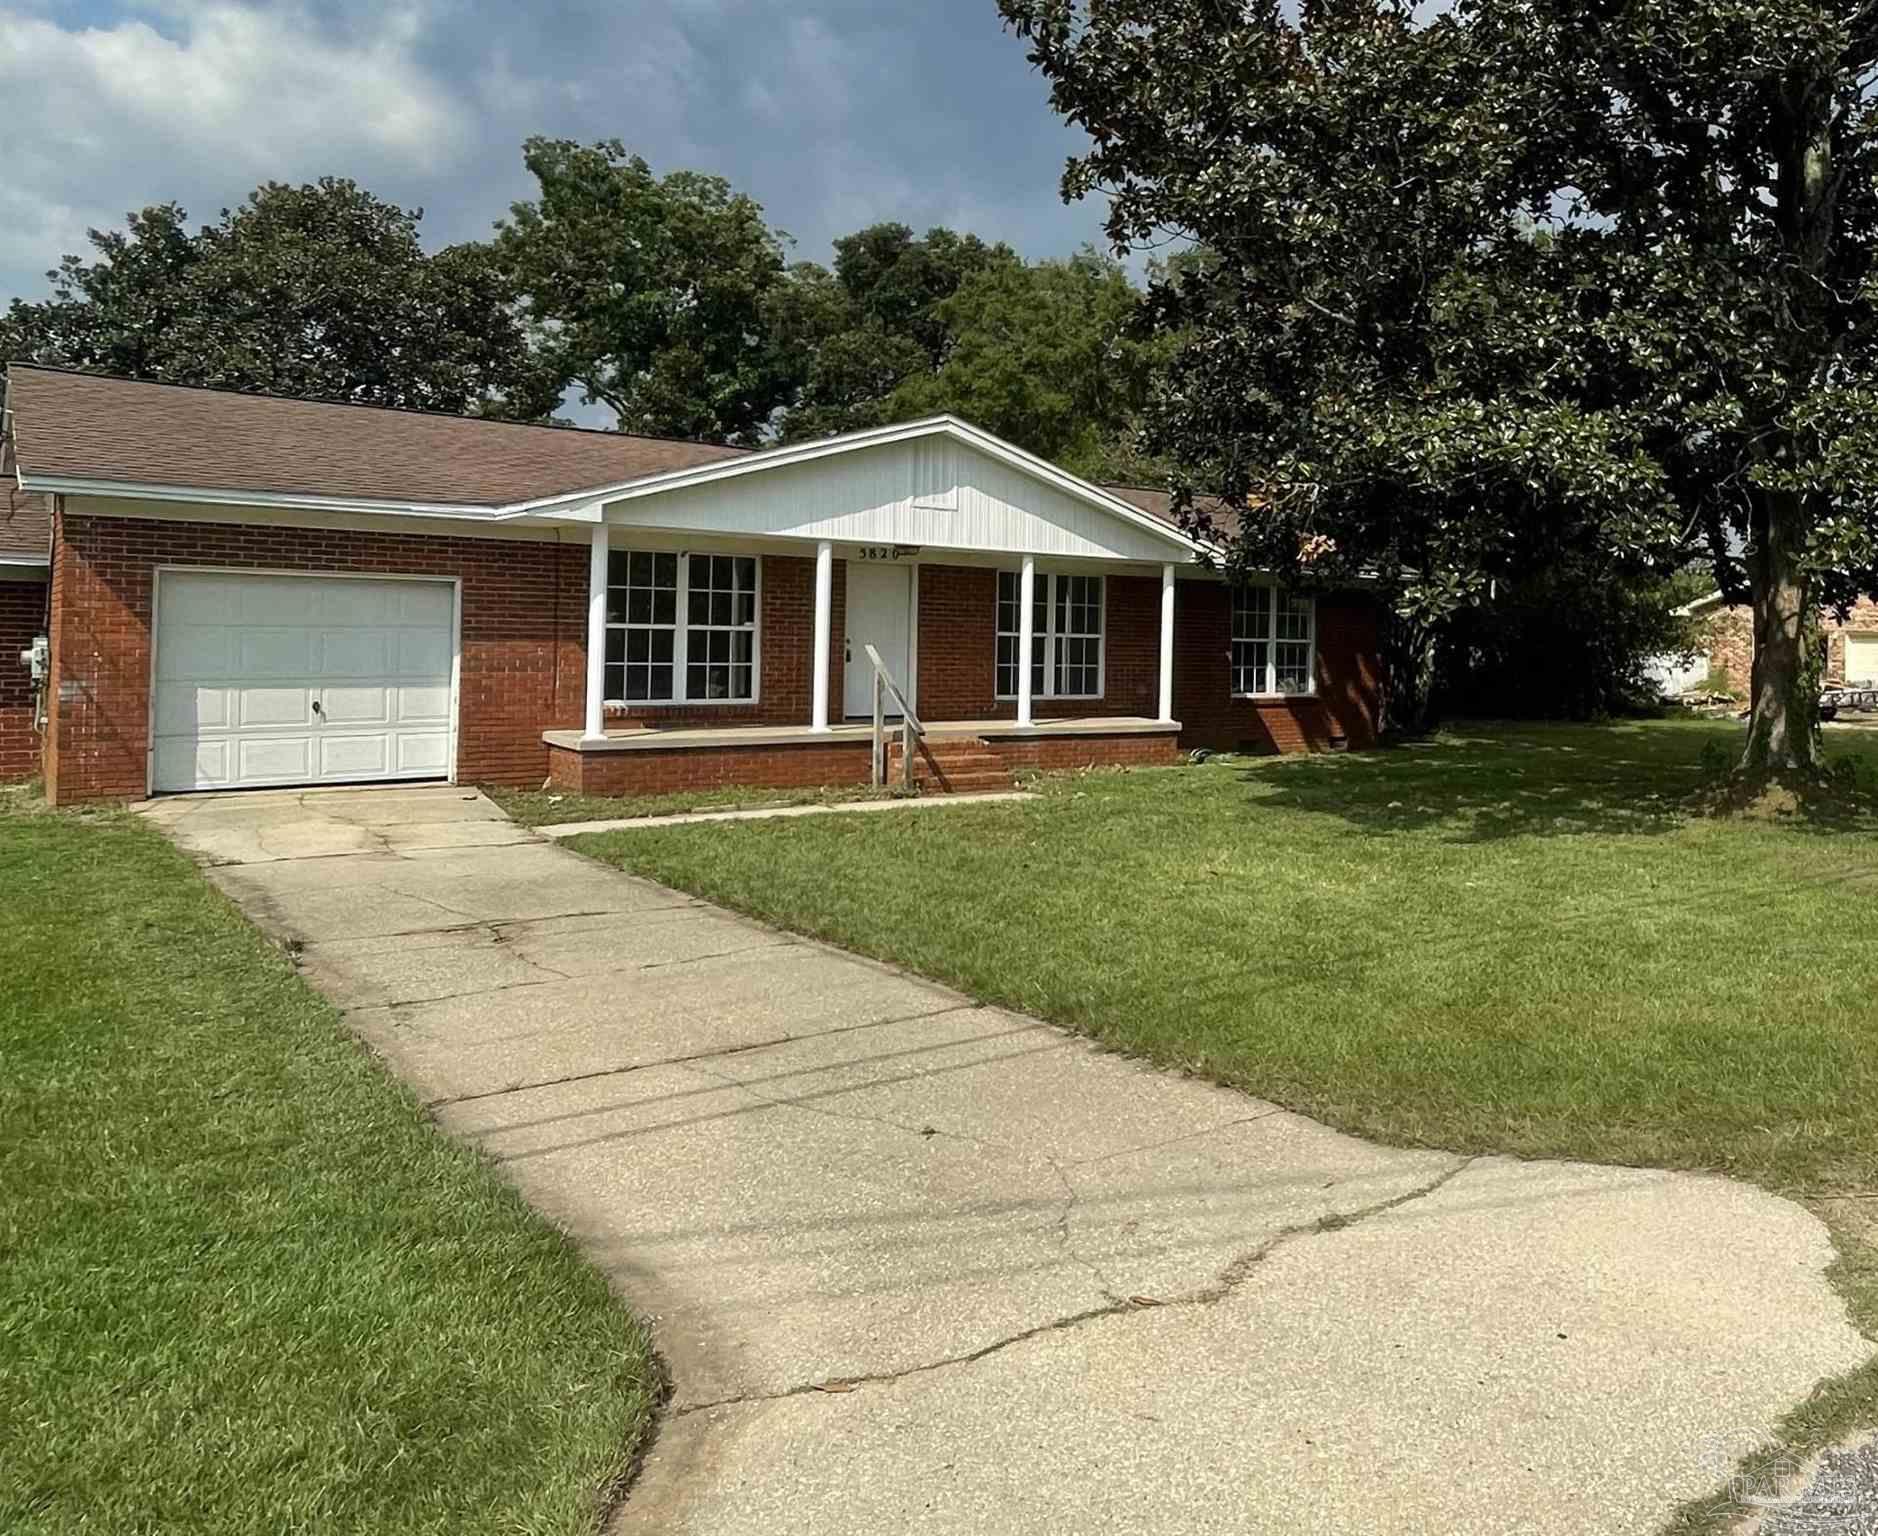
column 32, row 562
column 853, row 442
column 1690, row 610
column 150, row 491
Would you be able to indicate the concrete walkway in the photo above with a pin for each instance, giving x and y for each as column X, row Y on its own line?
column 919, row 1266
column 564, row 829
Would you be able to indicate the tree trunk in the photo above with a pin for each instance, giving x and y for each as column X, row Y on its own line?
column 1783, row 720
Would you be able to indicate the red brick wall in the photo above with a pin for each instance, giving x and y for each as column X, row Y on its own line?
column 1348, row 701
column 793, row 765
column 523, row 617
column 958, row 649
column 524, row 639
column 22, row 615
column 523, row 663
column 1060, row 752
column 808, row 764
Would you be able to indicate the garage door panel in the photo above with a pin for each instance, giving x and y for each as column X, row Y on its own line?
column 183, row 708
column 355, row 603
column 415, row 704
column 423, row 653
column 272, row 600
column 273, row 708
column 356, row 704
column 1861, row 658
column 241, row 660
column 197, row 764
column 273, row 759
column 426, row 606
column 355, row 757
column 196, row 651
column 423, row 752
column 354, row 652
column 274, row 653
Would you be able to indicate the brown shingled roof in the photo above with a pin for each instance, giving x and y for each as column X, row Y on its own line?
column 93, row 427
column 25, row 517
column 1160, row 503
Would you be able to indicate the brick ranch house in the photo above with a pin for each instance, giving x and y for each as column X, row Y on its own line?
column 1728, row 642
column 239, row 591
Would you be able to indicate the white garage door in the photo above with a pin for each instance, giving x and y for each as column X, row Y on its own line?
column 301, row 680
column 1861, row 658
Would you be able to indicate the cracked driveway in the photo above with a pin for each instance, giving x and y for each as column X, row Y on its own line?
column 922, row 1266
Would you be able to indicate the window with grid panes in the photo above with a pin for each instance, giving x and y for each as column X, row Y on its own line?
column 1273, row 642
column 1066, row 636
column 654, row 657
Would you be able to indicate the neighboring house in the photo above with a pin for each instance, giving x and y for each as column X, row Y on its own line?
column 248, row 591
column 1851, row 647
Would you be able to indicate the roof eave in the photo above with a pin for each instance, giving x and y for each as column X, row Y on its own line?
column 138, row 490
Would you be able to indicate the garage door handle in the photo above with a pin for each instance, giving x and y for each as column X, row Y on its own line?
column 318, row 710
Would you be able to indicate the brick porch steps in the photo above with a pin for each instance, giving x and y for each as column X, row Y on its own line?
column 952, row 765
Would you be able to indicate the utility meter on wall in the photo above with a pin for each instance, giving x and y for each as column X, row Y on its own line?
column 38, row 658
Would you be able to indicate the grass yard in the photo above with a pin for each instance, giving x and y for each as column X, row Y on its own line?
column 546, row 807
column 248, row 1288
column 1511, row 939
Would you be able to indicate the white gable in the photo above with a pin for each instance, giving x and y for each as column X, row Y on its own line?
column 935, row 491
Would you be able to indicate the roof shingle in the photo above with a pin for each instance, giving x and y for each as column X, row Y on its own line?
column 25, row 517
column 1160, row 503
column 93, row 427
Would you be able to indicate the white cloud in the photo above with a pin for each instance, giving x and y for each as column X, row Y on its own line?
column 199, row 102
column 834, row 114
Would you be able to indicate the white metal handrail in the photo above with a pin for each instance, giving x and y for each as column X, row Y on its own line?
column 910, row 728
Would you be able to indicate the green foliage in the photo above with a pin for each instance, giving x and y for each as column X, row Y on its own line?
column 1043, row 355
column 1562, row 644
column 649, row 295
column 320, row 290
column 251, row 1287
column 875, row 321
column 1048, row 354
column 1498, row 288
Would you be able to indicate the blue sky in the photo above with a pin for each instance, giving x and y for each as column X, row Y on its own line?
column 832, row 113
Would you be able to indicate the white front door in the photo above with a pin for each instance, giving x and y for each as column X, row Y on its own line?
column 271, row 679
column 880, row 614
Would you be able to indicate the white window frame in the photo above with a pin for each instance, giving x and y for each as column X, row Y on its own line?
column 683, row 627
column 1047, row 634
column 1271, row 641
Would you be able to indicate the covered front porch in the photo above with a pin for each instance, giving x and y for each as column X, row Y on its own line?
column 748, row 623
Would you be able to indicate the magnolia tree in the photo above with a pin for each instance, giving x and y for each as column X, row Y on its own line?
column 1508, row 285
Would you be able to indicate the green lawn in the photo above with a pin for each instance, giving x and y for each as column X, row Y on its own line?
column 546, row 807
column 1507, row 939
column 247, row 1286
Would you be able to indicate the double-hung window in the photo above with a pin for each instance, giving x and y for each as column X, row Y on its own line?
column 681, row 629
column 1274, row 643
column 1066, row 636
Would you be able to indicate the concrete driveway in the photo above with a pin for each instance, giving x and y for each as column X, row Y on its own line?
column 922, row 1266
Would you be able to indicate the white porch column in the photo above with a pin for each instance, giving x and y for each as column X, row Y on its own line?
column 1167, row 642
column 596, row 633
column 824, row 622
column 1026, row 616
